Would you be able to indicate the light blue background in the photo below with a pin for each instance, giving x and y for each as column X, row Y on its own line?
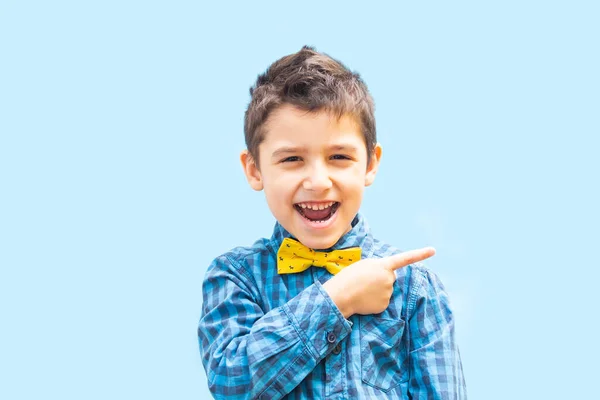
column 120, row 129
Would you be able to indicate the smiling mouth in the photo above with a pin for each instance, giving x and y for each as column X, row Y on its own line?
column 314, row 213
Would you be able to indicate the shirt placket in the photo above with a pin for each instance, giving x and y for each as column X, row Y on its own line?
column 335, row 370
column 335, row 361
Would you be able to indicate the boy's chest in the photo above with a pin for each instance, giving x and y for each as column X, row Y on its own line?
column 370, row 362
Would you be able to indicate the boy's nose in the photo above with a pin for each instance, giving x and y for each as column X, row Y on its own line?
column 318, row 179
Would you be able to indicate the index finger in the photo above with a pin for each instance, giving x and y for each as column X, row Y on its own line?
column 408, row 257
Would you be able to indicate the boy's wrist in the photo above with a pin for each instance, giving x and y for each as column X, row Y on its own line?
column 342, row 300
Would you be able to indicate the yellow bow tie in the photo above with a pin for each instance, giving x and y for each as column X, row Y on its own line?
column 294, row 257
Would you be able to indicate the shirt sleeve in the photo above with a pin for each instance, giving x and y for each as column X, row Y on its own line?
column 436, row 369
column 249, row 353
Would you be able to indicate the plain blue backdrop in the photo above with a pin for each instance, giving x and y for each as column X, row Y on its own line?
column 120, row 128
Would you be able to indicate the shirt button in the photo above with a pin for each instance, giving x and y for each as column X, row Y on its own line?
column 337, row 349
column 331, row 337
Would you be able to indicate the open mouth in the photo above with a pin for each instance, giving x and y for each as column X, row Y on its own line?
column 317, row 212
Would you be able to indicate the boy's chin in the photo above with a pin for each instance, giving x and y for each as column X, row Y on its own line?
column 318, row 243
column 320, row 240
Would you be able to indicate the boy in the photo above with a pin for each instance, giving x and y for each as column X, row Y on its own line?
column 322, row 309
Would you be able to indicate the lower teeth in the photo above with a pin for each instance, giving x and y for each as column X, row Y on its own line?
column 317, row 221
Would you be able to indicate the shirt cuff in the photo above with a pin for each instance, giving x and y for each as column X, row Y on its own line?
column 317, row 320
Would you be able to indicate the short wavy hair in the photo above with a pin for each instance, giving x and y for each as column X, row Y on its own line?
column 314, row 82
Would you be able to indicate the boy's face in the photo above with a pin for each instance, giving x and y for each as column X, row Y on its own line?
column 313, row 169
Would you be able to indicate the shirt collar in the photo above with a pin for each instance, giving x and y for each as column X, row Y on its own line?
column 358, row 236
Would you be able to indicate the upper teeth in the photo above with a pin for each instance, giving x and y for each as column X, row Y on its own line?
column 321, row 206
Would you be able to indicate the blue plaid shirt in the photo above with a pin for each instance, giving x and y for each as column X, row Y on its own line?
column 268, row 336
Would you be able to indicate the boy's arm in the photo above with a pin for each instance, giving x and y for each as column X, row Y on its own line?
column 436, row 369
column 248, row 353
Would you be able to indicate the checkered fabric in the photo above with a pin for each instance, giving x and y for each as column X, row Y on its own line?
column 263, row 335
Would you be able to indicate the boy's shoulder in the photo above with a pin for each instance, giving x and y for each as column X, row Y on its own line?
column 243, row 258
column 261, row 246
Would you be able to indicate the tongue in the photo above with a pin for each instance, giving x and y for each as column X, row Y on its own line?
column 316, row 215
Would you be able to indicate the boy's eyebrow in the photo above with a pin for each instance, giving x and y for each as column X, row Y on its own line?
column 344, row 147
column 286, row 150
column 336, row 147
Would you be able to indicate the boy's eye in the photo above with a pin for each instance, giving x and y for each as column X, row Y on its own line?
column 340, row 157
column 291, row 159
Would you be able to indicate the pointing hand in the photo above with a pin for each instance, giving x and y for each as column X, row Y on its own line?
column 366, row 286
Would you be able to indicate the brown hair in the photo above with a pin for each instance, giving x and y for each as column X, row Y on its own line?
column 311, row 81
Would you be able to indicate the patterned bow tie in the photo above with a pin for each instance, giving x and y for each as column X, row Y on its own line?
column 294, row 257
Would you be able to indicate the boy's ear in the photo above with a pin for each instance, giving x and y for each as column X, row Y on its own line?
column 251, row 171
column 373, row 165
